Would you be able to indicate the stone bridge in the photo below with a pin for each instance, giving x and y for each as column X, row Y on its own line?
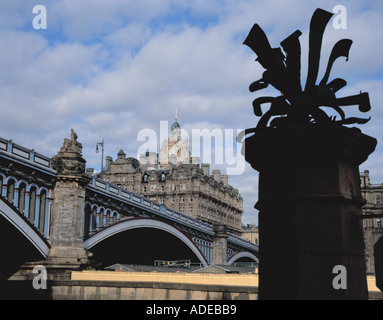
column 53, row 213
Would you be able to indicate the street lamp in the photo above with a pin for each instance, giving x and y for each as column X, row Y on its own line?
column 102, row 152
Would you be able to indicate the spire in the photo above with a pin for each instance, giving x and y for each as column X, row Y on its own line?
column 175, row 125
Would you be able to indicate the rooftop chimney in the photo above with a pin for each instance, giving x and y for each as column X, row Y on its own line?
column 206, row 169
column 217, row 175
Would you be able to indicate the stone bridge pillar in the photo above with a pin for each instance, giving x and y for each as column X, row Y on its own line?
column 378, row 254
column 67, row 221
column 310, row 207
column 219, row 254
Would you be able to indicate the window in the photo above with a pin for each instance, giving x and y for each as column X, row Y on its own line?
column 162, row 188
column 87, row 220
column 94, row 219
column 191, row 198
column 107, row 218
column 145, row 177
column 379, row 223
column 161, row 200
column 173, row 199
column 144, row 189
column 32, row 204
column 21, row 204
column 182, row 186
column 377, row 200
column 43, row 198
column 182, row 199
column 101, row 218
column 11, row 190
column 153, row 187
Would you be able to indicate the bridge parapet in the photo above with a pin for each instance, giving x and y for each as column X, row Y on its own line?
column 26, row 182
column 30, row 182
column 243, row 243
column 149, row 206
column 16, row 151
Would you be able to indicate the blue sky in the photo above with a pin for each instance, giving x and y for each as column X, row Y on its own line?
column 109, row 69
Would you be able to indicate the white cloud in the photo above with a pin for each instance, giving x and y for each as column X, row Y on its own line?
column 110, row 69
column 87, row 20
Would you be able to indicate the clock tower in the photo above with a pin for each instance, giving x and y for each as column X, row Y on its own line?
column 175, row 150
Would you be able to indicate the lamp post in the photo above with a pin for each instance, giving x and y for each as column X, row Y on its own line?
column 102, row 152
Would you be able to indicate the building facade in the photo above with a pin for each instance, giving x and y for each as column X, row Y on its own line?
column 372, row 220
column 373, row 216
column 179, row 182
column 251, row 232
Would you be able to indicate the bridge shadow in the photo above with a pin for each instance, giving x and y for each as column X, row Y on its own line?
column 20, row 241
column 141, row 246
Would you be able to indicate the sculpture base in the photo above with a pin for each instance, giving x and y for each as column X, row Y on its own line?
column 310, row 203
column 58, row 266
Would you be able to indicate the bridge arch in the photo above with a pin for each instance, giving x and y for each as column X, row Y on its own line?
column 143, row 223
column 243, row 255
column 7, row 179
column 20, row 182
column 46, row 190
column 20, row 242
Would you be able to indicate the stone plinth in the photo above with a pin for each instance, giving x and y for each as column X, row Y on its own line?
column 310, row 206
column 378, row 254
column 67, row 221
column 219, row 252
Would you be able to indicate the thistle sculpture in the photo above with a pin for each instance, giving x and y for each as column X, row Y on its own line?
column 283, row 72
column 309, row 197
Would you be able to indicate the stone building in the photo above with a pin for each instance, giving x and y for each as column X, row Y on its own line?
column 174, row 151
column 179, row 181
column 372, row 222
column 251, row 232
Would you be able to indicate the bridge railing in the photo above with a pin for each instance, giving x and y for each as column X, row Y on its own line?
column 243, row 243
column 13, row 149
column 158, row 209
column 28, row 191
column 161, row 210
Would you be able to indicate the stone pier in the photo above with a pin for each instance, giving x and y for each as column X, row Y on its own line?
column 310, row 207
column 219, row 254
column 67, row 251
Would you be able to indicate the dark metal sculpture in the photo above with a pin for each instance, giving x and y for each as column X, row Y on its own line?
column 283, row 72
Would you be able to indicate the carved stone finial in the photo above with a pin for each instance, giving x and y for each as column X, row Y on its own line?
column 220, row 231
column 73, row 135
column 71, row 145
column 69, row 160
